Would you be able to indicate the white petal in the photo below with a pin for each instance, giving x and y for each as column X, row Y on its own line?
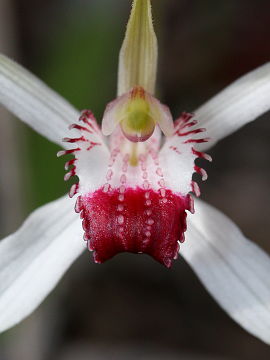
column 34, row 102
column 238, row 104
column 34, row 258
column 233, row 269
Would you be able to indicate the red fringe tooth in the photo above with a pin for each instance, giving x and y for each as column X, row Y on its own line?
column 78, row 205
column 88, row 118
column 73, row 140
column 69, row 163
column 73, row 190
column 202, row 172
column 202, row 155
column 197, row 141
column 67, row 152
column 86, row 115
column 183, row 119
column 195, row 131
column 184, row 123
column 191, row 207
column 80, row 128
column 68, row 175
column 92, row 144
column 190, row 124
column 195, row 188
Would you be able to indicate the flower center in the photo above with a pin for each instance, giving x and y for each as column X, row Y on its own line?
column 137, row 112
column 137, row 124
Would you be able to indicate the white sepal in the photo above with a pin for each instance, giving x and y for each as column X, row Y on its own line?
column 238, row 104
column 35, row 257
column 33, row 102
column 139, row 53
column 233, row 269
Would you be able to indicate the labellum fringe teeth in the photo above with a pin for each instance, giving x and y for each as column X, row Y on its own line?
column 124, row 218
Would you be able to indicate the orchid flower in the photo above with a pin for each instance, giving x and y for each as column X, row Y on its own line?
column 135, row 188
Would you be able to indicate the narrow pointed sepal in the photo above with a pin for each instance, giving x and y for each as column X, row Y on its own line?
column 139, row 52
column 234, row 270
column 235, row 106
column 35, row 257
column 32, row 101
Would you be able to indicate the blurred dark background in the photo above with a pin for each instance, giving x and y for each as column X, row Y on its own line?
column 131, row 307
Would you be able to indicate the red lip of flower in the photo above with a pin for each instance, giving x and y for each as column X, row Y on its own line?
column 135, row 206
column 139, row 188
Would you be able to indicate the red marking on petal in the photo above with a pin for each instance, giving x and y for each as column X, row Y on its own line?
column 137, row 91
column 202, row 155
column 79, row 127
column 69, row 163
column 195, row 188
column 86, row 115
column 88, row 118
column 92, row 145
column 145, row 223
column 174, row 148
column 191, row 207
column 73, row 190
column 68, row 175
column 197, row 141
column 78, row 205
column 202, row 172
column 73, row 140
column 184, row 118
column 181, row 130
column 67, row 152
column 191, row 132
column 190, row 124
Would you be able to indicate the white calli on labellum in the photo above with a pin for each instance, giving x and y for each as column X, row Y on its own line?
column 133, row 193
